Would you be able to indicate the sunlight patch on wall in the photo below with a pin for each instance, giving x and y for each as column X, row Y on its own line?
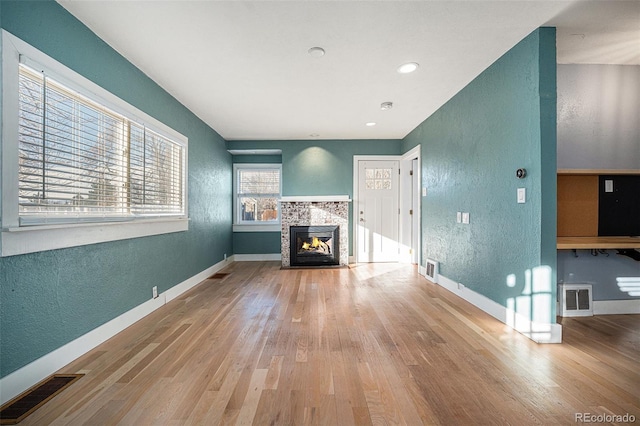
column 630, row 285
column 531, row 313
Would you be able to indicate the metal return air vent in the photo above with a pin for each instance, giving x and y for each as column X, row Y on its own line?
column 432, row 270
column 575, row 300
column 29, row 401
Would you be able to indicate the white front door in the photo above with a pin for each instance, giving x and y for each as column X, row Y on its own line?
column 377, row 211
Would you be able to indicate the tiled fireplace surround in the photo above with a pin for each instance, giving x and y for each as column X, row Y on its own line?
column 315, row 211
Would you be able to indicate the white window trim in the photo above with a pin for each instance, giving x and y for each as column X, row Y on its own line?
column 253, row 227
column 15, row 240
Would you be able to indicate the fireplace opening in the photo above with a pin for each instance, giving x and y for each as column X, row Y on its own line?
column 314, row 245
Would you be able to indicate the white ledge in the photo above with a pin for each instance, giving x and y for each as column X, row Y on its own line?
column 31, row 239
column 315, row 198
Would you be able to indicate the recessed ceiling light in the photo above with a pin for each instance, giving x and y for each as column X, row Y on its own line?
column 316, row 52
column 408, row 67
column 386, row 105
column 370, row 124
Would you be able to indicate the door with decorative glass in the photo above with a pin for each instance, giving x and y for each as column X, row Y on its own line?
column 377, row 211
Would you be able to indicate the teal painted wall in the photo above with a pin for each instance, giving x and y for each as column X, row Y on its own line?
column 257, row 159
column 256, row 242
column 50, row 298
column 471, row 148
column 314, row 168
column 322, row 167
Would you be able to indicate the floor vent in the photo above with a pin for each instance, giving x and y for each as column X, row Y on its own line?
column 218, row 276
column 29, row 401
column 432, row 271
column 575, row 300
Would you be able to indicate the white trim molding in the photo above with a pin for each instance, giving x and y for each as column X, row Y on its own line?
column 256, row 228
column 20, row 380
column 538, row 332
column 257, row 257
column 616, row 307
column 410, row 231
column 314, row 198
column 240, row 225
column 31, row 239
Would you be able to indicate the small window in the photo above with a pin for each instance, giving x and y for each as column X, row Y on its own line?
column 257, row 191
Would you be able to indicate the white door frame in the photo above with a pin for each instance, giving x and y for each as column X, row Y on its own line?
column 411, row 199
column 405, row 165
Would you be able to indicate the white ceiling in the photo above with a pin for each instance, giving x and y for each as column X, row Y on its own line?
column 243, row 66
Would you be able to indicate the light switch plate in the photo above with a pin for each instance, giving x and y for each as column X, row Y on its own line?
column 424, row 191
column 465, row 218
column 522, row 195
column 608, row 185
column 459, row 217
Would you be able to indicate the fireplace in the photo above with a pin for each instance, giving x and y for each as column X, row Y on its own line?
column 314, row 245
column 315, row 211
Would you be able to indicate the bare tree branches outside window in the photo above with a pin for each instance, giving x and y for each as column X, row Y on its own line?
column 79, row 159
column 258, row 192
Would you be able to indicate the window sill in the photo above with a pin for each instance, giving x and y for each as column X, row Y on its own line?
column 31, row 239
column 273, row 227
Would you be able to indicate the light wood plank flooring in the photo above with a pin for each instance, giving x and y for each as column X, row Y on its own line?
column 371, row 344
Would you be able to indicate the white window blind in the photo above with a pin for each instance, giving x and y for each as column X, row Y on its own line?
column 80, row 161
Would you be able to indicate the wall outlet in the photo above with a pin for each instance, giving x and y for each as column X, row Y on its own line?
column 460, row 286
column 225, row 257
column 154, row 290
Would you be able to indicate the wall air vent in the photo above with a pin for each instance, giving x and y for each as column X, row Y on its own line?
column 432, row 271
column 575, row 300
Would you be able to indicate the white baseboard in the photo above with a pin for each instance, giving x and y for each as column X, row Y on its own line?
column 20, row 380
column 422, row 270
column 616, row 307
column 538, row 332
column 257, row 257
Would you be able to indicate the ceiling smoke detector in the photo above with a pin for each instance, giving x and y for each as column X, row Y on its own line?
column 316, row 52
column 386, row 105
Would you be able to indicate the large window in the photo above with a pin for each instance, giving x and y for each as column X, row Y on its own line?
column 74, row 154
column 79, row 161
column 257, row 189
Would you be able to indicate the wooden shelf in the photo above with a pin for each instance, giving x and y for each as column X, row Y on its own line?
column 599, row 171
column 578, row 211
column 568, row 243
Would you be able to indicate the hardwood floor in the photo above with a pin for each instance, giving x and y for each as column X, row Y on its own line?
column 372, row 344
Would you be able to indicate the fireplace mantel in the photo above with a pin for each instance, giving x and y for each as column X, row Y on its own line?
column 314, row 198
column 315, row 210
